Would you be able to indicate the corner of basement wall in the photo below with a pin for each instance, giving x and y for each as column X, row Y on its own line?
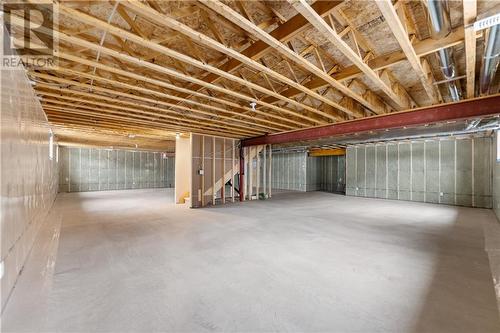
column 29, row 177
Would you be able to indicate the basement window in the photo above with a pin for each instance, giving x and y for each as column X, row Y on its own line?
column 51, row 145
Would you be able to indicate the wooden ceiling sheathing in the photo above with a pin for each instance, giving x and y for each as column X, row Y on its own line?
column 183, row 66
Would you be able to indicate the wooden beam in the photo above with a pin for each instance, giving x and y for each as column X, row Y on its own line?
column 165, row 21
column 132, row 113
column 422, row 48
column 394, row 22
column 157, row 68
column 325, row 30
column 137, row 108
column 327, row 152
column 470, row 13
column 98, row 114
column 283, row 33
column 69, row 120
column 283, row 49
column 163, row 84
column 369, row 52
column 144, row 99
column 87, row 19
column 130, row 21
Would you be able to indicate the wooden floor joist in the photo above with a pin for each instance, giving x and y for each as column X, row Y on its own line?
column 394, row 22
column 328, row 32
column 283, row 49
column 199, row 66
column 164, row 70
column 164, row 20
column 470, row 13
column 149, row 100
column 87, row 19
column 167, row 85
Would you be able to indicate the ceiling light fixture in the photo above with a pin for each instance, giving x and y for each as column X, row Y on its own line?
column 253, row 105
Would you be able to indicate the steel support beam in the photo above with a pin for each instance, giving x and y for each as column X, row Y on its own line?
column 472, row 108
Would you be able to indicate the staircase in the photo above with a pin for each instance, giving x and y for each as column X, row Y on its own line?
column 231, row 173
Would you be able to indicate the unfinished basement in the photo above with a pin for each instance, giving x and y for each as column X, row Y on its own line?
column 250, row 166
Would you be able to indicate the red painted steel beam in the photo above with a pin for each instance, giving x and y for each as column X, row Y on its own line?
column 472, row 108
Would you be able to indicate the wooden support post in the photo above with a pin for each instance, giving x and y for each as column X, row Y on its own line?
column 270, row 169
column 250, row 173
column 233, row 172
column 247, row 172
column 203, row 169
column 264, row 176
column 223, row 188
column 242, row 173
column 257, row 173
column 213, row 171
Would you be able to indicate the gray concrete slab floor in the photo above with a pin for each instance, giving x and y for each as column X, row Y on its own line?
column 304, row 262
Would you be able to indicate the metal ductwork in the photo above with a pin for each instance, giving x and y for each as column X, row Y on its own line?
column 440, row 26
column 490, row 61
column 438, row 18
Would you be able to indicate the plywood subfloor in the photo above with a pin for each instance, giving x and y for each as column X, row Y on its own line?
column 132, row 261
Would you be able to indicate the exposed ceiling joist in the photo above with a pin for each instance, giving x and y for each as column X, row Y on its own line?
column 87, row 19
column 137, row 62
column 399, row 31
column 165, row 21
column 284, row 50
column 400, row 101
column 470, row 13
column 146, row 99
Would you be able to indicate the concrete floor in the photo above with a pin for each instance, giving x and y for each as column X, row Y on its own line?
column 133, row 261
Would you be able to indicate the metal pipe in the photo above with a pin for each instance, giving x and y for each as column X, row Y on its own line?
column 447, row 66
column 490, row 60
column 473, row 124
column 454, row 91
column 438, row 16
